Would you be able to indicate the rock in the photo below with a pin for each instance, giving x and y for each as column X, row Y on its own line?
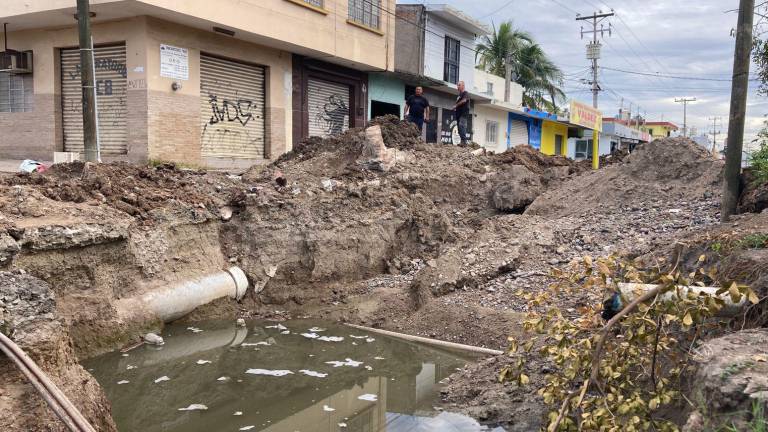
column 328, row 184
column 518, row 190
column 240, row 322
column 437, row 280
column 271, row 271
column 153, row 339
column 225, row 213
column 375, row 155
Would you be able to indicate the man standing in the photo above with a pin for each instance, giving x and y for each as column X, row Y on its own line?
column 416, row 108
column 462, row 112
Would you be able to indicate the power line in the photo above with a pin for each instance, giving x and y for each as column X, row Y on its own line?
column 658, row 75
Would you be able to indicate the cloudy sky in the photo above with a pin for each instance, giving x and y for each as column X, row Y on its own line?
column 687, row 38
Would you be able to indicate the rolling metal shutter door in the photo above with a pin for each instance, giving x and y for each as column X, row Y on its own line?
column 519, row 133
column 328, row 107
column 232, row 109
column 111, row 84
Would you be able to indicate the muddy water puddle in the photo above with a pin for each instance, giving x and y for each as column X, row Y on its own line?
column 301, row 376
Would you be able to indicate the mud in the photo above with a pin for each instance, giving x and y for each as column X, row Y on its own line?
column 425, row 248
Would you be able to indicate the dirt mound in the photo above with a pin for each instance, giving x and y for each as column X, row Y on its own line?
column 399, row 134
column 136, row 190
column 754, row 198
column 535, row 160
column 670, row 168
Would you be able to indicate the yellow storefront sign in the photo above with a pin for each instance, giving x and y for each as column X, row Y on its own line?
column 585, row 115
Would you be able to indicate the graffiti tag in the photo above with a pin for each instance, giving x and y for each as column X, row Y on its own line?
column 102, row 64
column 240, row 110
column 331, row 116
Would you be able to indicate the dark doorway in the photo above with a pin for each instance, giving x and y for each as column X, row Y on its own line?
column 379, row 109
column 431, row 126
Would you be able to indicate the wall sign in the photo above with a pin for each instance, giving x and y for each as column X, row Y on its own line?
column 174, row 62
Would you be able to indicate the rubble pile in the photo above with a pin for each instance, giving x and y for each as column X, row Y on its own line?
column 135, row 190
column 671, row 168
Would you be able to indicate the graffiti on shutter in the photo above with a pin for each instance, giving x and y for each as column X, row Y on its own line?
column 329, row 107
column 111, row 85
column 232, row 99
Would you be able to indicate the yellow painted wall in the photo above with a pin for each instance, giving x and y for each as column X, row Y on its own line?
column 658, row 131
column 548, row 132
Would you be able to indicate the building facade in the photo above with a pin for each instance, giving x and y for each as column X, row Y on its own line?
column 217, row 84
column 659, row 130
column 435, row 50
column 491, row 119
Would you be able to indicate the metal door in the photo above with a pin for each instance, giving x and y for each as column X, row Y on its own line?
column 111, row 85
column 519, row 134
column 329, row 107
column 232, row 97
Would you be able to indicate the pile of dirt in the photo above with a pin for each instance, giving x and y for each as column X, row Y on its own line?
column 135, row 190
column 668, row 168
column 399, row 134
column 754, row 197
column 537, row 161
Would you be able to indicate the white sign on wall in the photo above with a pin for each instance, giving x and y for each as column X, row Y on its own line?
column 174, row 62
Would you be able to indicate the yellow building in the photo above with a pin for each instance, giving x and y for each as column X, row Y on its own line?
column 225, row 83
column 554, row 138
column 659, row 129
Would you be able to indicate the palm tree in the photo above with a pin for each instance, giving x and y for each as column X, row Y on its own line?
column 534, row 70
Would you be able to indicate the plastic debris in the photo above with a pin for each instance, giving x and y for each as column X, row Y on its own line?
column 369, row 340
column 342, row 425
column 276, row 373
column 347, row 362
column 316, row 329
column 277, row 326
column 330, row 338
column 202, row 362
column 194, row 329
column 153, row 339
column 368, row 397
column 222, row 378
column 238, row 413
column 29, row 166
column 123, row 382
column 285, row 332
column 162, row 379
column 313, row 373
column 358, row 337
column 326, row 408
column 194, row 407
column 130, row 367
column 244, row 428
column 368, row 368
column 310, row 335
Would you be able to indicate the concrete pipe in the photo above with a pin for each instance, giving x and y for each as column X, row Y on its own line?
column 631, row 290
column 174, row 302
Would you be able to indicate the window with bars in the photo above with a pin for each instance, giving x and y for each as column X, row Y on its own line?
column 491, row 132
column 16, row 92
column 452, row 58
column 365, row 12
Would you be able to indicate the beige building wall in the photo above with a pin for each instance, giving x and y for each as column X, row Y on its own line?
column 38, row 134
column 175, row 125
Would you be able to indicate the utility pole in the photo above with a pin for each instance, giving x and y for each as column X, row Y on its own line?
column 739, row 89
column 593, row 49
column 685, row 101
column 508, row 77
column 87, row 80
column 714, row 133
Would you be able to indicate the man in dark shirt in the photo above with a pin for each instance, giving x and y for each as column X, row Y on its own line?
column 462, row 112
column 417, row 108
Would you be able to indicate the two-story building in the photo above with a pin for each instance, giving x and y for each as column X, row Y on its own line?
column 219, row 84
column 435, row 50
column 495, row 126
column 659, row 129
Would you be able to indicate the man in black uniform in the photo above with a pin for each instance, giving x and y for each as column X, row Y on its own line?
column 462, row 112
column 417, row 108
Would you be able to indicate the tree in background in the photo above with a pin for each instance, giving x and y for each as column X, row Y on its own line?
column 540, row 77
